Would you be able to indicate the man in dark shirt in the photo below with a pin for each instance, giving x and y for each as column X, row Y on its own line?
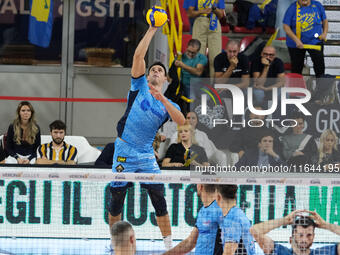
column 231, row 64
column 268, row 73
column 106, row 157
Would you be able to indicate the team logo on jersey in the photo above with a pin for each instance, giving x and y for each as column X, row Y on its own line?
column 119, row 168
column 121, row 159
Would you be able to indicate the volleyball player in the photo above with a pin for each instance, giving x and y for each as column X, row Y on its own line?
column 147, row 109
column 123, row 238
column 206, row 235
column 236, row 237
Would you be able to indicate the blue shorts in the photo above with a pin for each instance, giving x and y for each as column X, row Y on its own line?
column 129, row 159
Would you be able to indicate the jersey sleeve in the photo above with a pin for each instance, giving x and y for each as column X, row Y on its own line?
column 322, row 11
column 288, row 18
column 139, row 83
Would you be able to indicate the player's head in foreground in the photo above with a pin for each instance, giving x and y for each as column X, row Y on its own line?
column 226, row 195
column 302, row 233
column 157, row 75
column 123, row 238
column 206, row 190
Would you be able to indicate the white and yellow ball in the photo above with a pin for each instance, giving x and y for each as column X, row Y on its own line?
column 156, row 16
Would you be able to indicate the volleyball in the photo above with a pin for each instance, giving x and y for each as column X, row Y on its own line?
column 156, row 16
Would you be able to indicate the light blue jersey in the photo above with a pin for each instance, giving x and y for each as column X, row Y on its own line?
column 208, row 220
column 235, row 229
column 136, row 130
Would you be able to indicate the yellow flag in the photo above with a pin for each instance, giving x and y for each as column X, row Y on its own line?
column 41, row 9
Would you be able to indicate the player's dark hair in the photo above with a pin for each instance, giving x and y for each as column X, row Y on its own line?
column 209, row 188
column 228, row 191
column 158, row 63
column 303, row 221
column 119, row 231
column 58, row 124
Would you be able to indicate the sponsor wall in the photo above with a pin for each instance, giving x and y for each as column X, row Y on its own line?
column 32, row 207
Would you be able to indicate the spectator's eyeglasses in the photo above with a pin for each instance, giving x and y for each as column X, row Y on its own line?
column 268, row 54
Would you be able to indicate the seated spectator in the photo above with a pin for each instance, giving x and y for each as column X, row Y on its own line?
column 247, row 138
column 57, row 151
column 299, row 148
column 232, row 64
column 268, row 73
column 23, row 136
column 328, row 149
column 185, row 152
column 213, row 154
column 106, row 157
column 263, row 155
column 192, row 64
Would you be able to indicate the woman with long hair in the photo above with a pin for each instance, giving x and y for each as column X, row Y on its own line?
column 23, row 136
column 328, row 148
column 186, row 151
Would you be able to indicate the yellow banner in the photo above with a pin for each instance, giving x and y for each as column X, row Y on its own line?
column 41, row 9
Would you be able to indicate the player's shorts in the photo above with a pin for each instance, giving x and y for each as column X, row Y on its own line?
column 129, row 159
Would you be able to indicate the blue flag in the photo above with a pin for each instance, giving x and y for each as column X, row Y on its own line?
column 41, row 22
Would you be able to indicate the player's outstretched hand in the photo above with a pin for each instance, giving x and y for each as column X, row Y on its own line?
column 156, row 94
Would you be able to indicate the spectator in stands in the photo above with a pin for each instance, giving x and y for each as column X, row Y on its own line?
column 264, row 155
column 299, row 148
column 57, row 151
column 192, row 64
column 247, row 138
column 268, row 73
column 309, row 28
column 328, row 149
column 186, row 151
column 106, row 157
column 207, row 27
column 236, row 238
column 232, row 64
column 303, row 233
column 23, row 136
column 213, row 154
column 123, row 238
column 205, row 236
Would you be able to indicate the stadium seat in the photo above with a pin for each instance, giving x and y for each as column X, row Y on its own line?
column 225, row 29
column 246, row 41
column 86, row 152
column 225, row 40
column 270, row 30
column 295, row 80
column 244, row 30
column 185, row 39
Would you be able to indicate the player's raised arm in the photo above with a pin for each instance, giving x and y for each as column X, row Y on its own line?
column 138, row 64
